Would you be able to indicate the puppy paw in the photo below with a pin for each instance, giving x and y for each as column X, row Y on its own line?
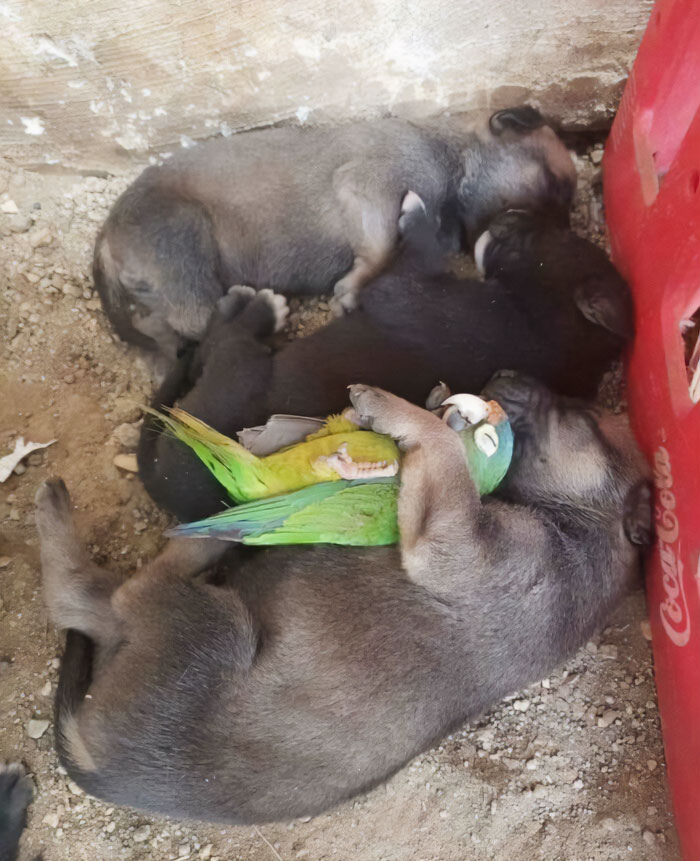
column 234, row 301
column 367, row 403
column 387, row 414
column 52, row 498
column 345, row 298
column 243, row 290
column 278, row 305
column 16, row 792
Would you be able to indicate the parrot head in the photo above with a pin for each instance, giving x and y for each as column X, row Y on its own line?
column 486, row 435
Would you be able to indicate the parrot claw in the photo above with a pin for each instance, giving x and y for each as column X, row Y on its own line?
column 349, row 469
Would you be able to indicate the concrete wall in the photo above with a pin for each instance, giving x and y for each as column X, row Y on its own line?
column 90, row 83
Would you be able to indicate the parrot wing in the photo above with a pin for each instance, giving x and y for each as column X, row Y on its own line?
column 278, row 432
column 359, row 513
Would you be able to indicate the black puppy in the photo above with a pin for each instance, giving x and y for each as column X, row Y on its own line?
column 552, row 306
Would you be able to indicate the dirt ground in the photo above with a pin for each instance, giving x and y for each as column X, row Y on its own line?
column 571, row 768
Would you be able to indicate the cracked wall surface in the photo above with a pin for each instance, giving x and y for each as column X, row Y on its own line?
column 93, row 85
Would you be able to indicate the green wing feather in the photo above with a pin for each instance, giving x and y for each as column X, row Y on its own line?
column 233, row 466
column 356, row 513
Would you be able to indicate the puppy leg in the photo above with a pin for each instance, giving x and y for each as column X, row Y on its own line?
column 439, row 504
column 15, row 796
column 234, row 366
column 77, row 592
column 371, row 213
column 265, row 314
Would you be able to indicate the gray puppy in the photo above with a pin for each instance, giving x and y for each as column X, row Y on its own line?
column 302, row 210
column 312, row 674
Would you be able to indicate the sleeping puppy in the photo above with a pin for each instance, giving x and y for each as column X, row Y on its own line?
column 313, row 674
column 300, row 210
column 552, row 306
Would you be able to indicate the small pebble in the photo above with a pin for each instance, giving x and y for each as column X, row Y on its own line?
column 41, row 237
column 46, row 690
column 126, row 462
column 127, row 435
column 51, row 819
column 20, row 223
column 607, row 718
column 597, row 156
column 578, row 784
column 608, row 651
column 649, row 837
column 521, row 705
column 645, row 627
column 205, row 851
column 651, row 764
column 141, row 834
column 36, row 728
column 74, row 788
column 9, row 207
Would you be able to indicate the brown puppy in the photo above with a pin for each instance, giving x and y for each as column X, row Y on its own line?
column 301, row 210
column 312, row 674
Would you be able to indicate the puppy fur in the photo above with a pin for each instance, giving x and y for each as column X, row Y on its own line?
column 301, row 210
column 15, row 797
column 415, row 325
column 311, row 674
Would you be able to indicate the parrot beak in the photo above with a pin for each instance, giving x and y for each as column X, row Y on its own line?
column 486, row 439
column 471, row 408
column 454, row 419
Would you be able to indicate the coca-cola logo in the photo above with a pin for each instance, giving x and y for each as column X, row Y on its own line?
column 674, row 609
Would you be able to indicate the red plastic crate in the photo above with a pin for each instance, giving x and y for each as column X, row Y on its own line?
column 652, row 197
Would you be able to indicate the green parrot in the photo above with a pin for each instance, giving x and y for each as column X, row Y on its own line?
column 359, row 506
column 339, row 449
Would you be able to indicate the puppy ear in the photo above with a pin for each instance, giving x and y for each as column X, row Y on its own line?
column 636, row 514
column 522, row 119
column 606, row 304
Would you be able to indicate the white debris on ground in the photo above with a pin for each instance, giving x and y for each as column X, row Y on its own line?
column 571, row 768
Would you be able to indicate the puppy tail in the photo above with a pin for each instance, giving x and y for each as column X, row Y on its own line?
column 114, row 298
column 74, row 680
